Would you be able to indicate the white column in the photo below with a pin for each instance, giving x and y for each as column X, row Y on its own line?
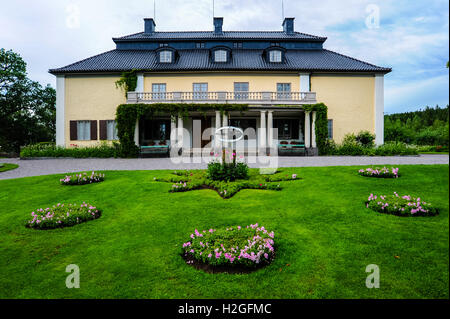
column 270, row 129
column 173, row 131
column 180, row 132
column 136, row 133
column 305, row 82
column 307, row 131
column 313, row 130
column 60, row 110
column 225, row 120
column 216, row 140
column 140, row 82
column 379, row 109
column 262, row 131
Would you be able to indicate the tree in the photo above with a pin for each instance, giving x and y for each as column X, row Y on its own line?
column 27, row 110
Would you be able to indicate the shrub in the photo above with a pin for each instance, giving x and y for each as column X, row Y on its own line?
column 63, row 215
column 379, row 172
column 396, row 148
column 218, row 171
column 400, row 205
column 365, row 138
column 103, row 150
column 249, row 246
column 82, row 179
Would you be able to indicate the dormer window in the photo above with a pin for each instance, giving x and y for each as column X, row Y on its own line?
column 165, row 56
column 220, row 56
column 275, row 56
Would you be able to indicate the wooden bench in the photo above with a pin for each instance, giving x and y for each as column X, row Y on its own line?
column 155, row 150
column 291, row 148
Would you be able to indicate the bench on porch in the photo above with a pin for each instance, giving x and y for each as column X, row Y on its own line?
column 291, row 147
column 154, row 150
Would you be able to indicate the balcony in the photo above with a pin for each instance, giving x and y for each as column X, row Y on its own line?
column 264, row 98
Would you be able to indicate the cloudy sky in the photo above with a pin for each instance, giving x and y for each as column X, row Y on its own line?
column 409, row 36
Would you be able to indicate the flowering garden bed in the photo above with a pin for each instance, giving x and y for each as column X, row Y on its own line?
column 231, row 249
column 400, row 205
column 62, row 215
column 379, row 172
column 82, row 179
column 193, row 180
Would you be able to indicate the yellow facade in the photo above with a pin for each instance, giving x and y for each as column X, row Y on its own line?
column 350, row 100
column 258, row 82
column 90, row 97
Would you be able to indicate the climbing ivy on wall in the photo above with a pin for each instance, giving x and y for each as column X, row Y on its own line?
column 127, row 81
column 128, row 114
column 321, row 127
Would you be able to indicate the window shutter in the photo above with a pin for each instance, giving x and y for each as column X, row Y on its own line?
column 73, row 131
column 103, row 132
column 93, row 130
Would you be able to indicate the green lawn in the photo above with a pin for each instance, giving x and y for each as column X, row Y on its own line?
column 324, row 234
column 7, row 167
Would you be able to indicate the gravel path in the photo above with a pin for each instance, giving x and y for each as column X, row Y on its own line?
column 60, row 166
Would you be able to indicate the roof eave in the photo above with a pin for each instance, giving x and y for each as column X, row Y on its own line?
column 382, row 71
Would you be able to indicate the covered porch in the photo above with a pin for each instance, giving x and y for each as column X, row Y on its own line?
column 267, row 130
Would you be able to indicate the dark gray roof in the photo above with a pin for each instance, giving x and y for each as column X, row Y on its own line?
column 226, row 35
column 199, row 60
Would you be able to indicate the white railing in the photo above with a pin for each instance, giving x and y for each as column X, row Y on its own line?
column 223, row 97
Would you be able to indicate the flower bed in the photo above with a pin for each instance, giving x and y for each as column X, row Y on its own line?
column 379, row 172
column 82, row 179
column 7, row 167
column 184, row 181
column 400, row 205
column 249, row 247
column 63, row 215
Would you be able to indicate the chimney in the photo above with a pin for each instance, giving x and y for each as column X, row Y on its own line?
column 218, row 22
column 288, row 25
column 149, row 26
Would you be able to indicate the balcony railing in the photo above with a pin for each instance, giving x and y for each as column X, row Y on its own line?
column 223, row 97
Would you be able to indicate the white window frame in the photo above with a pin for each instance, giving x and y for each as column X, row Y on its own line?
column 275, row 56
column 165, row 56
column 220, row 56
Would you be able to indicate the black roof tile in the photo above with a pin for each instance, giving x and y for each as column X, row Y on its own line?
column 199, row 60
column 226, row 35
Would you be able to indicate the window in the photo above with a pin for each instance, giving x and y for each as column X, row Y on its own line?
column 275, row 56
column 288, row 129
column 83, row 130
column 159, row 91
column 237, row 45
column 111, row 131
column 330, row 129
column 284, row 91
column 165, row 56
column 241, row 90
column 200, row 45
column 220, row 56
column 200, row 91
column 155, row 130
